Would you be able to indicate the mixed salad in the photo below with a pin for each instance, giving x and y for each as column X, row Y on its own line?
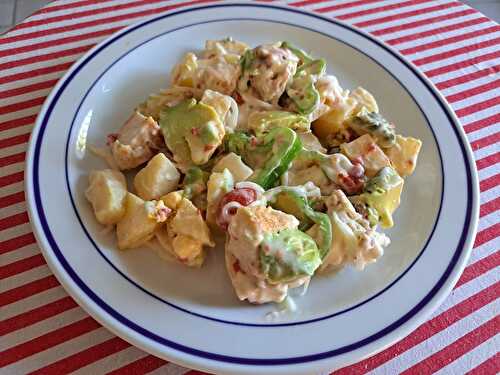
column 261, row 146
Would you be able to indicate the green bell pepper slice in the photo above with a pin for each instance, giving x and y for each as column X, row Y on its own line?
column 303, row 56
column 269, row 155
column 302, row 90
column 284, row 145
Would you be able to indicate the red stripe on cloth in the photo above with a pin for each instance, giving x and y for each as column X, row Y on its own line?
column 57, row 42
column 83, row 358
column 45, row 57
column 47, row 341
column 308, row 2
column 196, row 372
column 96, row 22
column 12, row 159
column 16, row 243
column 16, row 140
column 28, row 120
column 476, row 107
column 403, row 15
column 365, row 12
column 437, row 31
column 461, row 64
column 36, row 72
column 77, row 4
column 450, row 40
column 14, row 220
column 486, row 141
column 479, row 268
column 427, row 21
column 482, row 123
column 335, row 7
column 22, row 265
column 456, row 52
column 27, row 290
column 491, row 70
column 11, row 199
column 30, row 317
column 140, row 366
column 19, row 106
column 92, row 12
column 490, row 366
column 489, row 183
column 474, row 91
column 426, row 330
column 487, row 235
column 11, row 179
column 26, row 89
column 457, row 349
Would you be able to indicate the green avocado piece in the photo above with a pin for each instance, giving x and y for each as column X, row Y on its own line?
column 263, row 122
column 288, row 255
column 191, row 130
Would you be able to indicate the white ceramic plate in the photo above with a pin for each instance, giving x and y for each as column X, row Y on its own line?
column 192, row 317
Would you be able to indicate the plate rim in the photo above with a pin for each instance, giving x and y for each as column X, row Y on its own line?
column 432, row 300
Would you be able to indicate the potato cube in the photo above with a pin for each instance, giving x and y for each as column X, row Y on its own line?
column 157, row 178
column 188, row 250
column 188, row 221
column 330, row 125
column 138, row 224
column 235, row 165
column 173, row 199
column 218, row 185
column 365, row 150
column 364, row 99
column 106, row 192
column 403, row 154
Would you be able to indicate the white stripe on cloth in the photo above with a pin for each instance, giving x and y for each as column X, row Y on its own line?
column 32, row 302
column 437, row 342
column 19, row 254
column 43, row 327
column 23, row 278
column 472, row 358
column 112, row 362
column 58, row 352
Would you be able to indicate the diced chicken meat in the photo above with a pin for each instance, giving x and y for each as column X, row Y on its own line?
column 136, row 142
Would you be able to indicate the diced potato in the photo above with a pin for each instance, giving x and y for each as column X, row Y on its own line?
column 188, row 250
column 157, row 178
column 173, row 199
column 138, row 225
column 106, row 192
column 218, row 185
column 332, row 123
column 188, row 221
column 235, row 165
column 364, row 99
column 403, row 154
column 365, row 150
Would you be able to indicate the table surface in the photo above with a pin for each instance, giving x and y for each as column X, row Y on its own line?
column 42, row 329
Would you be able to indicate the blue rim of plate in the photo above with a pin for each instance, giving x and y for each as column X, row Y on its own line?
column 220, row 357
column 163, row 300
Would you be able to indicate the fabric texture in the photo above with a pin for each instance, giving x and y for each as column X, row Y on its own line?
column 43, row 330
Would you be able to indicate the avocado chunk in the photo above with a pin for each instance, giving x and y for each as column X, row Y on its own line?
column 192, row 131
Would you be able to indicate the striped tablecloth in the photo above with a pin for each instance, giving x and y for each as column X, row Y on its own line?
column 43, row 330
